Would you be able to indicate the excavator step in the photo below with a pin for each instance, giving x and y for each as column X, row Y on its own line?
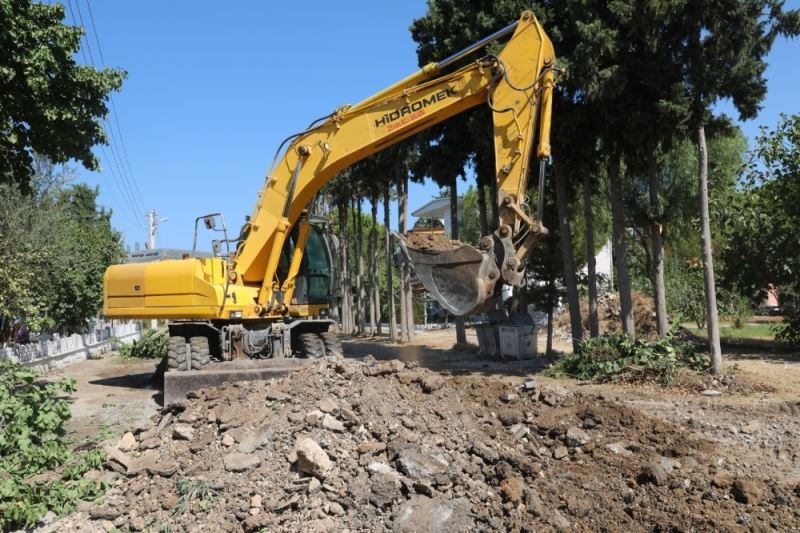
column 177, row 383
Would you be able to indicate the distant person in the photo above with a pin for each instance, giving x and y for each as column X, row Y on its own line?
column 21, row 334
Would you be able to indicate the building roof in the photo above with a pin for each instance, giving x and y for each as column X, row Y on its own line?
column 436, row 208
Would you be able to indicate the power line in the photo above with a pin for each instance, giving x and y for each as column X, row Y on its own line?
column 128, row 200
column 111, row 98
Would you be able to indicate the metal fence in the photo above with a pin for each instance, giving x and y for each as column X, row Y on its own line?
column 47, row 352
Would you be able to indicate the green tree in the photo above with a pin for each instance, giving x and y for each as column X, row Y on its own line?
column 49, row 104
column 765, row 224
column 55, row 245
column 726, row 43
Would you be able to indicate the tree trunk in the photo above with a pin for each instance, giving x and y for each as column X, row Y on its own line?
column 374, row 304
column 461, row 331
column 358, row 263
column 483, row 176
column 591, row 262
column 388, row 250
column 619, row 247
column 570, row 280
column 551, row 289
column 409, row 296
column 347, row 315
column 708, row 258
column 658, row 248
column 402, row 213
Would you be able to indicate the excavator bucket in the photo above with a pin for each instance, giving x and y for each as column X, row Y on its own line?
column 460, row 277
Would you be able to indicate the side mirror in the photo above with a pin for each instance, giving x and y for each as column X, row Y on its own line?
column 209, row 222
column 216, row 246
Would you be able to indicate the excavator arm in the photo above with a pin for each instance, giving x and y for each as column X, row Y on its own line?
column 516, row 84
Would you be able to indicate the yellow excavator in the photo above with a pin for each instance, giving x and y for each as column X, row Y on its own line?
column 268, row 294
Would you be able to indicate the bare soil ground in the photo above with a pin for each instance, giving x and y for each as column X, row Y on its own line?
column 446, row 441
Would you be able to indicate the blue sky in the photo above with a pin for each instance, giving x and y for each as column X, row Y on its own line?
column 213, row 88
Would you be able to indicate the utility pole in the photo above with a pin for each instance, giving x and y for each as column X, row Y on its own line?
column 152, row 228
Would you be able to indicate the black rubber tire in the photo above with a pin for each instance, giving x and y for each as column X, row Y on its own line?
column 311, row 346
column 176, row 354
column 333, row 346
column 201, row 353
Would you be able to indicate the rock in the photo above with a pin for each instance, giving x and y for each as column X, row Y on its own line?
column 529, row 385
column 380, row 468
column 277, row 396
column 314, row 417
column 127, row 443
column 253, row 440
column 228, row 440
column 117, row 460
column 519, row 431
column 431, row 383
column 335, row 509
column 711, row 393
column 423, row 514
column 331, row 423
column 654, row 473
column 751, row 427
column 314, row 485
column 255, row 501
column 240, row 462
column 619, row 448
column 416, row 464
column 370, row 447
column 149, row 444
column 721, row 480
column 311, row 459
column 104, row 513
column 669, row 464
column 169, row 501
column 508, row 397
column 183, row 432
column 511, row 489
column 384, row 484
column 576, row 437
column 137, row 523
column 108, row 525
column 747, row 491
column 328, row 406
column 559, row 452
column 578, row 506
column 165, row 421
column 384, row 368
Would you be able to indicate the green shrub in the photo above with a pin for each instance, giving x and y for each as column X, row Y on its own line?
column 33, row 416
column 789, row 330
column 151, row 345
column 622, row 358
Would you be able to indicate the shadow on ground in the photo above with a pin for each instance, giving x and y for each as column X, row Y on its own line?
column 441, row 359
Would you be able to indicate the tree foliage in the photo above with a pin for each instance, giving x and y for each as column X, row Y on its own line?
column 55, row 245
column 49, row 104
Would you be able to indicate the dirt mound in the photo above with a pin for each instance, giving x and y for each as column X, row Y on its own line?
column 376, row 446
column 432, row 241
column 608, row 313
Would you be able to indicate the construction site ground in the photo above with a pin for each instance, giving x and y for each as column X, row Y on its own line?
column 445, row 441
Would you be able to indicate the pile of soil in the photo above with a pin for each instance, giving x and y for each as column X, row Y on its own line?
column 432, row 241
column 375, row 446
column 608, row 313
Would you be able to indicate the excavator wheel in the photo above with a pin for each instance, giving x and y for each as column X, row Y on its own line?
column 176, row 353
column 333, row 346
column 201, row 353
column 311, row 346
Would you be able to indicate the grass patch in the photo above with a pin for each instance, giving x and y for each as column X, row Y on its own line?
column 749, row 331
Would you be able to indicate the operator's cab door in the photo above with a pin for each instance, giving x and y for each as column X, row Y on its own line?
column 313, row 284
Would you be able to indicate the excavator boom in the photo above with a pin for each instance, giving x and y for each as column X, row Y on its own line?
column 516, row 84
